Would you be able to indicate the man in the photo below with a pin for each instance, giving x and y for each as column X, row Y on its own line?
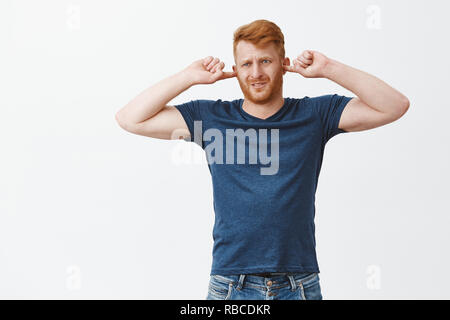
column 264, row 241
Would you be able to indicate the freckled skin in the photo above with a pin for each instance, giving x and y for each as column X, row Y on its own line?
column 265, row 94
column 271, row 95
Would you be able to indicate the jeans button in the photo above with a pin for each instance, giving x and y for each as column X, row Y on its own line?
column 269, row 283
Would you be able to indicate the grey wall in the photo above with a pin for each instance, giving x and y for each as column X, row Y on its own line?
column 88, row 210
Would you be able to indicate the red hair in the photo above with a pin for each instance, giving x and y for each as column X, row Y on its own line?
column 260, row 33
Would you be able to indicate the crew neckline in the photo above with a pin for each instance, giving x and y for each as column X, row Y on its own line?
column 276, row 114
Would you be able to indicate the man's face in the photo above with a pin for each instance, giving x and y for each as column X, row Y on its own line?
column 254, row 65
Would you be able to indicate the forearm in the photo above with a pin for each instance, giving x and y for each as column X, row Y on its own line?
column 369, row 89
column 153, row 99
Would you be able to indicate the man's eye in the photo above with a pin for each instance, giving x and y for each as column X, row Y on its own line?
column 263, row 60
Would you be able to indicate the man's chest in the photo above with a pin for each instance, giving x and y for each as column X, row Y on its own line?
column 262, row 147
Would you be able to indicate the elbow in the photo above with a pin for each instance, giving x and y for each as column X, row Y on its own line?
column 405, row 103
column 403, row 107
column 118, row 118
column 120, row 121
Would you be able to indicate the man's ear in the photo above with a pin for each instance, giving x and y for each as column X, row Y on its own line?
column 286, row 62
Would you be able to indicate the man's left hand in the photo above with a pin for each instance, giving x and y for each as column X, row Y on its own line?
column 310, row 64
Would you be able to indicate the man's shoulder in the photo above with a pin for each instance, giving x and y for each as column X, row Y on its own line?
column 213, row 103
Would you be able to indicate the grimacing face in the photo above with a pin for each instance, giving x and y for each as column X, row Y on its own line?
column 259, row 65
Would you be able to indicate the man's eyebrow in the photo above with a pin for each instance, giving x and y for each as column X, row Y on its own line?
column 261, row 58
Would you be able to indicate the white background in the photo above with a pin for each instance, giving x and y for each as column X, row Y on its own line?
column 88, row 210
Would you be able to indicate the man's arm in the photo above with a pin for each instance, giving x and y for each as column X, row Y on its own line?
column 148, row 115
column 376, row 103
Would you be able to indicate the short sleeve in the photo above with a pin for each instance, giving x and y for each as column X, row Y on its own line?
column 329, row 109
column 194, row 113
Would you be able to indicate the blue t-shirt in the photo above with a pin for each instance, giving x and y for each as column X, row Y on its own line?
column 264, row 220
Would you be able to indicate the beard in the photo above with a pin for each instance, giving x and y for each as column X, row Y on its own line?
column 265, row 94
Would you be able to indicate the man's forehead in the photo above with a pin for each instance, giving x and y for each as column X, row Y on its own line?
column 249, row 53
column 258, row 57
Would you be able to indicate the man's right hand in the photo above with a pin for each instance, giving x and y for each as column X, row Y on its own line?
column 148, row 115
column 207, row 71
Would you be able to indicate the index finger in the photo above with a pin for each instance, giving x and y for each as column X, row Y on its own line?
column 229, row 75
column 288, row 68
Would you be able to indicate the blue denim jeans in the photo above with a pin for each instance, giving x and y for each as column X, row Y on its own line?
column 276, row 286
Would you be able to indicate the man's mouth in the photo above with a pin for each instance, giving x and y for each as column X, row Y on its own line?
column 259, row 84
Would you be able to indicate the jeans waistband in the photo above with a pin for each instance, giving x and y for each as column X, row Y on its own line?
column 273, row 279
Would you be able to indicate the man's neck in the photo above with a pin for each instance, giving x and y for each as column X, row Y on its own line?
column 265, row 110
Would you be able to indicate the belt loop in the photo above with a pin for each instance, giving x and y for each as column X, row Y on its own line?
column 241, row 282
column 293, row 284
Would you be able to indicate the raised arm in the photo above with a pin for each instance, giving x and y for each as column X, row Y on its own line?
column 148, row 113
column 376, row 103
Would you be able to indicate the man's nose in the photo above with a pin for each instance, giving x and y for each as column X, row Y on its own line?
column 256, row 71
